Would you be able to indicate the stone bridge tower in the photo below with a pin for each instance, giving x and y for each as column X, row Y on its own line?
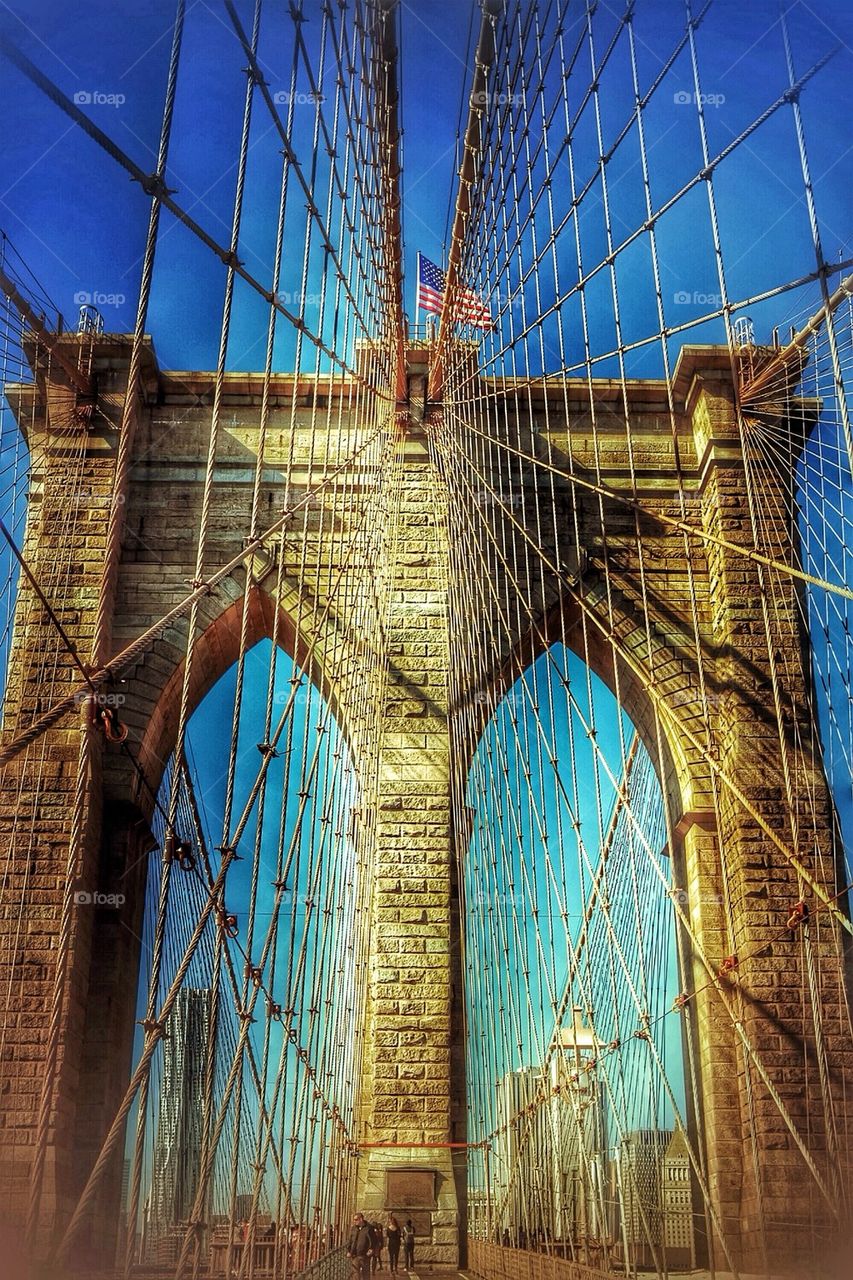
column 739, row 883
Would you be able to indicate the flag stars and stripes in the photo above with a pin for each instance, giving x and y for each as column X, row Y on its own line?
column 470, row 308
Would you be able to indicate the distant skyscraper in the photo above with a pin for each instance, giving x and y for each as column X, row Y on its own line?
column 640, row 1161
column 121, row 1238
column 522, row 1165
column 577, row 1135
column 677, row 1203
column 177, row 1147
column 548, row 1172
column 243, row 1206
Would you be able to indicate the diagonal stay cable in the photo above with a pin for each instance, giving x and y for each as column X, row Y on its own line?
column 153, row 185
column 155, row 1028
column 296, row 167
column 683, row 526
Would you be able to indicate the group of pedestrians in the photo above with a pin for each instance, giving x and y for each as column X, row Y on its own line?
column 367, row 1240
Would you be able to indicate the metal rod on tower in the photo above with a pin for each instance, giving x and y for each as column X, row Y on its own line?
column 792, row 354
column 470, row 161
column 50, row 340
column 388, row 98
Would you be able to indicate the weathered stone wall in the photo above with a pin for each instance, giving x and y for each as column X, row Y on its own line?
column 408, row 1047
column 71, row 495
column 788, row 987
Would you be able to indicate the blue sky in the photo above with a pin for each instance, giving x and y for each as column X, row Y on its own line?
column 90, row 240
column 80, row 222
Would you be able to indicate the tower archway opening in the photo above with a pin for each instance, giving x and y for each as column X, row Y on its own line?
column 577, row 1084
column 238, row 1143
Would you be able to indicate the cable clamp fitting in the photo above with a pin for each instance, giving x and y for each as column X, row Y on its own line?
column 799, row 915
column 106, row 719
column 153, row 185
column 185, row 855
column 228, row 923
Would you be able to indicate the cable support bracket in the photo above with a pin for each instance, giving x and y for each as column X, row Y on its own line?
column 199, row 584
column 154, row 185
column 799, row 915
column 228, row 922
column 254, row 74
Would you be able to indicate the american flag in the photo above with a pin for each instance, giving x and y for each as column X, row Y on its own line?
column 470, row 308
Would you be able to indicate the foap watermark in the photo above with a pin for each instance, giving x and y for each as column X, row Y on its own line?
column 98, row 298
column 299, row 699
column 485, row 898
column 93, row 898
column 693, row 696
column 488, row 97
column 696, row 297
column 681, row 897
column 99, row 698
column 683, row 98
column 98, row 98
column 488, row 498
column 511, row 702
column 293, row 900
column 299, row 98
column 296, row 298
column 96, row 500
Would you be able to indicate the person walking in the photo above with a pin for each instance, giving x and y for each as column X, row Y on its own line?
column 393, row 1235
column 409, row 1245
column 378, row 1242
column 360, row 1247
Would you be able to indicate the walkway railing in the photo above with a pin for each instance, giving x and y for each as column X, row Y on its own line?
column 331, row 1266
column 495, row 1262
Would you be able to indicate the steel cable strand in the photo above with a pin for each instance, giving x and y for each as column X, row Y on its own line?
column 245, row 1014
column 713, row 764
column 152, row 1039
column 137, row 173
column 223, row 952
column 240, row 826
column 80, row 816
column 709, row 183
column 192, row 629
column 806, row 941
column 473, row 612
